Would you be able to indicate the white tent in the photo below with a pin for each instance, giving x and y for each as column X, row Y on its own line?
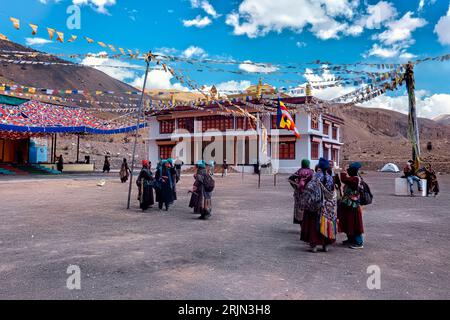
column 390, row 167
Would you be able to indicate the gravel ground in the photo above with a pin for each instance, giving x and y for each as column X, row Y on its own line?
column 248, row 250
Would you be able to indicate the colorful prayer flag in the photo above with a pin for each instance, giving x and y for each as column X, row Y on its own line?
column 285, row 120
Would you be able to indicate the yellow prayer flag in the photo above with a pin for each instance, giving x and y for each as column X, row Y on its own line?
column 60, row 36
column 89, row 40
column 102, row 44
column 15, row 22
column 34, row 28
column 98, row 92
column 112, row 47
column 51, row 33
column 72, row 38
column 32, row 90
column 122, row 51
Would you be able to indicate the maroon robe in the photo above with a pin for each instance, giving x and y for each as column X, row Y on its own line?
column 350, row 218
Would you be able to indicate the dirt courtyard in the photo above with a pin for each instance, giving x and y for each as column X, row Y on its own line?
column 249, row 249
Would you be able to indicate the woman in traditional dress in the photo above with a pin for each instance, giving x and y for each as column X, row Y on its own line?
column 298, row 181
column 124, row 171
column 145, row 186
column 432, row 182
column 200, row 198
column 350, row 210
column 164, row 178
column 106, row 165
column 320, row 228
column 60, row 163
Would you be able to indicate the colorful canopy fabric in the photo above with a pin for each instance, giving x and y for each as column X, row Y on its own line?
column 34, row 117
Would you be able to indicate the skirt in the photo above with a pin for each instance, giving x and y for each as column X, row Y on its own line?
column 310, row 230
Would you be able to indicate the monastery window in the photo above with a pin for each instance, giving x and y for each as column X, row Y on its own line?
column 244, row 123
column 314, row 123
column 326, row 129
column 186, row 124
column 335, row 133
column 167, row 126
column 165, row 152
column 315, row 150
column 287, row 150
column 221, row 123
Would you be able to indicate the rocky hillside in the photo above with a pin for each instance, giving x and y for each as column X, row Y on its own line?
column 377, row 136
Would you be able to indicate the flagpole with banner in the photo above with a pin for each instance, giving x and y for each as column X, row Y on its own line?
column 138, row 123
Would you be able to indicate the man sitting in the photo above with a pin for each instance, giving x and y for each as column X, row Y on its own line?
column 410, row 174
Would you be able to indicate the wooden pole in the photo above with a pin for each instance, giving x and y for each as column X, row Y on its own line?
column 78, row 148
column 413, row 127
column 258, row 140
column 138, row 123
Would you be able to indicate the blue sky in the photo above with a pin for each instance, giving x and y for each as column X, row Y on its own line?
column 279, row 32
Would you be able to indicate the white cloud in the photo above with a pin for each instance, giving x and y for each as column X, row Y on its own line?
column 36, row 41
column 401, row 30
column 98, row 5
column 427, row 106
column 379, row 13
column 383, row 52
column 199, row 22
column 194, row 52
column 256, row 18
column 252, row 68
column 397, row 37
column 121, row 71
column 300, row 44
column 206, row 6
column 326, row 77
column 233, row 85
column 442, row 29
column 158, row 79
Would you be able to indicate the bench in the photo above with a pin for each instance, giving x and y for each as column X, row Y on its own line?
column 402, row 187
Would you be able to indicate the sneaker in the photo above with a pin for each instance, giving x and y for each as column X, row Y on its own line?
column 356, row 246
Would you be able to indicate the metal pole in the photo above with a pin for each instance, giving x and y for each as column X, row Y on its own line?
column 138, row 123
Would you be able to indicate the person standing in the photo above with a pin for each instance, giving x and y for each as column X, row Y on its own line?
column 350, row 209
column 224, row 168
column 202, row 192
column 178, row 164
column 432, row 182
column 212, row 165
column 60, row 163
column 106, row 165
column 319, row 228
column 298, row 181
column 164, row 178
column 145, row 185
column 410, row 174
column 124, row 171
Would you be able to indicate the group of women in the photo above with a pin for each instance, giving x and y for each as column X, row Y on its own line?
column 340, row 210
column 163, row 182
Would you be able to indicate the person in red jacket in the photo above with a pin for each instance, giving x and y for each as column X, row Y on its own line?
column 350, row 210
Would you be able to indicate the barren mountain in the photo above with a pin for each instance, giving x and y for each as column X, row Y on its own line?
column 443, row 119
column 377, row 136
column 57, row 77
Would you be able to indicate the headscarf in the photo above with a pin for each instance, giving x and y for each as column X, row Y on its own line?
column 353, row 169
column 324, row 164
column 201, row 164
column 306, row 163
column 145, row 163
